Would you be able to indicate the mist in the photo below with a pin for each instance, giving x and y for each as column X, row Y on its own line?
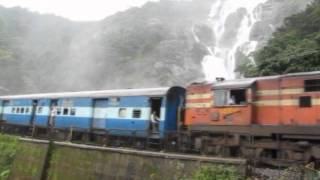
column 159, row 44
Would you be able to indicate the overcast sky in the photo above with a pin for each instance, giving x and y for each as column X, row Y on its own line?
column 79, row 10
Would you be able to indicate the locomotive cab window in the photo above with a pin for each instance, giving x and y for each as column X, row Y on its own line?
column 237, row 97
column 312, row 85
column 230, row 97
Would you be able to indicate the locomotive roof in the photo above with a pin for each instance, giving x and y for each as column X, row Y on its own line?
column 246, row 82
column 96, row 94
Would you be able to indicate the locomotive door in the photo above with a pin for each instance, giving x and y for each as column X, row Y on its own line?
column 33, row 111
column 99, row 113
column 53, row 113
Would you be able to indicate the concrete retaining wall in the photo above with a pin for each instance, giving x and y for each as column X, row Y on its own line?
column 74, row 161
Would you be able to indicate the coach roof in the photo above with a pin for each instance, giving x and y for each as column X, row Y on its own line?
column 95, row 94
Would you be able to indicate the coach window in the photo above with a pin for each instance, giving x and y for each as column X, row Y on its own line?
column 73, row 112
column 39, row 110
column 27, row 110
column 13, row 110
column 136, row 113
column 18, row 110
column 312, row 85
column 22, row 110
column 122, row 112
column 58, row 111
column 65, row 111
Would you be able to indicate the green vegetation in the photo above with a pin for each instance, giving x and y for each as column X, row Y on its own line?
column 295, row 47
column 216, row 173
column 8, row 148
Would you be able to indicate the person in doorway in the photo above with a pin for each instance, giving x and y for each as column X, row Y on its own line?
column 53, row 113
column 231, row 100
column 155, row 120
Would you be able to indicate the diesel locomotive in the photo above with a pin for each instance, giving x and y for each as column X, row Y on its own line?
column 273, row 120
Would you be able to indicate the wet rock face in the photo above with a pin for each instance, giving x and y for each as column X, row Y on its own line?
column 232, row 26
column 272, row 16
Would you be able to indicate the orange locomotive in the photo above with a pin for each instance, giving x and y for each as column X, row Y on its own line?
column 272, row 119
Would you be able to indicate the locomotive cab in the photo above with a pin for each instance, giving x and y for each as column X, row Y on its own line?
column 222, row 103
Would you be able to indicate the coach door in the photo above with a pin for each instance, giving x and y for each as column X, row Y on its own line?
column 2, row 104
column 99, row 113
column 155, row 113
column 33, row 111
column 53, row 113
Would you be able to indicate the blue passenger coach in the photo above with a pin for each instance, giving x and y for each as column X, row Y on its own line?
column 125, row 112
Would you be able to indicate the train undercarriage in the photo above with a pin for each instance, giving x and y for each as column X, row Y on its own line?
column 271, row 146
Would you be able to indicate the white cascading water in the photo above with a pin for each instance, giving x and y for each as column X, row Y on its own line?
column 221, row 60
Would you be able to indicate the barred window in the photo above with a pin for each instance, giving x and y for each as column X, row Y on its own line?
column 136, row 113
column 22, row 110
column 13, row 110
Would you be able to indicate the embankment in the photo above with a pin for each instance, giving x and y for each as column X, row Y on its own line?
column 36, row 159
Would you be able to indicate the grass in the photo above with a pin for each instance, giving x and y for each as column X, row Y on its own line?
column 218, row 172
column 8, row 148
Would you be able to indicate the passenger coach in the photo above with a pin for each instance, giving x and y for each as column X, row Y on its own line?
column 124, row 112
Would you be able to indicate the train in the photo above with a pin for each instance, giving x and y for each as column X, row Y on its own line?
column 273, row 120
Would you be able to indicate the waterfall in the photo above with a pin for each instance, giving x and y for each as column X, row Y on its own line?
column 232, row 22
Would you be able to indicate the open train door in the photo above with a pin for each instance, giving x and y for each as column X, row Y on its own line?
column 33, row 111
column 1, row 109
column 53, row 113
column 155, row 113
column 99, row 113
